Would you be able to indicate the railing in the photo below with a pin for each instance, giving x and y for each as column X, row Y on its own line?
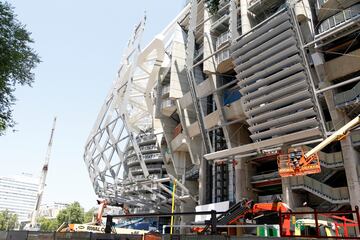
column 149, row 148
column 342, row 17
column 132, row 160
column 198, row 52
column 192, row 171
column 320, row 3
column 329, row 126
column 329, row 159
column 31, row 235
column 152, row 156
column 265, row 176
column 150, row 168
column 222, row 39
column 332, row 194
column 220, row 20
column 145, row 138
column 129, row 153
column 355, row 137
column 222, row 3
column 253, row 2
column 348, row 96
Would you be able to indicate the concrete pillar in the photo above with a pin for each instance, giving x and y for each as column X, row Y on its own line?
column 202, row 180
column 287, row 193
column 233, row 20
column 245, row 20
column 209, row 65
column 242, row 179
column 188, row 206
column 350, row 155
column 241, row 189
column 304, row 17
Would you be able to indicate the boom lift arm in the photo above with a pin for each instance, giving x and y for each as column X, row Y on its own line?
column 102, row 205
column 297, row 163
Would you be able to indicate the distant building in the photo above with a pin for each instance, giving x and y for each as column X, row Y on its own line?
column 51, row 210
column 18, row 194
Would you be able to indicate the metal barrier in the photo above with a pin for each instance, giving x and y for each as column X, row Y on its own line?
column 27, row 235
column 212, row 223
column 316, row 224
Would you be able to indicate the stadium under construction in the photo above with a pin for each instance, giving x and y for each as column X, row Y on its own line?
column 203, row 112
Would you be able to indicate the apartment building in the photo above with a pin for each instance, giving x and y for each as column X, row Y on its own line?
column 51, row 210
column 222, row 95
column 18, row 195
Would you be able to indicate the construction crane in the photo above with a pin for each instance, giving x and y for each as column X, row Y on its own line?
column 34, row 215
column 297, row 162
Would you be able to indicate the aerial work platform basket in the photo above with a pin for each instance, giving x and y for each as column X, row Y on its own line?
column 295, row 163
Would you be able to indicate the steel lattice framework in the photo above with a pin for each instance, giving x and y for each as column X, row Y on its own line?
column 123, row 124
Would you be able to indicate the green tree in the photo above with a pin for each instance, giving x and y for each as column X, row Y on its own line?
column 212, row 5
column 88, row 217
column 17, row 60
column 8, row 221
column 48, row 225
column 73, row 213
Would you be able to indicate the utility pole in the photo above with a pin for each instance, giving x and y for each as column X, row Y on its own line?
column 42, row 179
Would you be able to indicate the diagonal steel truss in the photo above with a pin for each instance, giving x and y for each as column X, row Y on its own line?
column 124, row 121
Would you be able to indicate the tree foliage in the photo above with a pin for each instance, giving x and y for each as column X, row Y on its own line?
column 8, row 221
column 17, row 60
column 88, row 216
column 48, row 225
column 212, row 5
column 73, row 213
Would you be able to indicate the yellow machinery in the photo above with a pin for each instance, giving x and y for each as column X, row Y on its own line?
column 296, row 162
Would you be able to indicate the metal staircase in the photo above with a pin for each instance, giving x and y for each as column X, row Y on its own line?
column 325, row 174
column 330, row 194
column 234, row 212
column 329, row 160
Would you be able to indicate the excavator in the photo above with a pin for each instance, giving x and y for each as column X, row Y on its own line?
column 296, row 162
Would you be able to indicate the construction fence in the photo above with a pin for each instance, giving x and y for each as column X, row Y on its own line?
column 27, row 235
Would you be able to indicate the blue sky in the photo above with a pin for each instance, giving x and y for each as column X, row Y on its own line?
column 80, row 44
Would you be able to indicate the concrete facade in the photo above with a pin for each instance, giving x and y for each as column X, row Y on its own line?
column 240, row 87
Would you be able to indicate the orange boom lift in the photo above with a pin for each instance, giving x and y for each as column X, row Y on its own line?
column 296, row 162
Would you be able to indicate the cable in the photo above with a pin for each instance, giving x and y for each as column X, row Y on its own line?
column 342, row 54
column 352, row 42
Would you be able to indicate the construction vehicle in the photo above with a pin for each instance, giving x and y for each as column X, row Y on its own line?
column 296, row 162
column 33, row 226
column 248, row 212
column 277, row 219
